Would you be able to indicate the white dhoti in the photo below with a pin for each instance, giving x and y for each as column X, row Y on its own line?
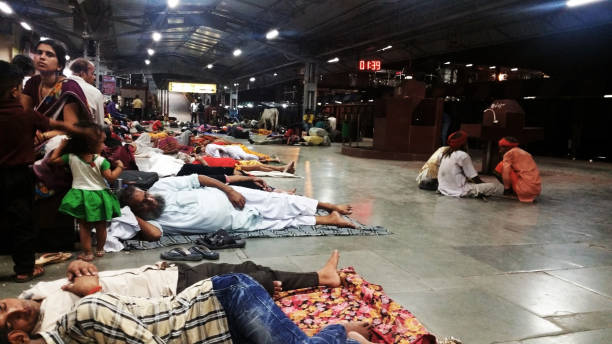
column 279, row 210
column 229, row 151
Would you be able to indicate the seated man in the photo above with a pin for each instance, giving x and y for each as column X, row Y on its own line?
column 518, row 171
column 196, row 204
column 457, row 176
column 222, row 309
column 428, row 177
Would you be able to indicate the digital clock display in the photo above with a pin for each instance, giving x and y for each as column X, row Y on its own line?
column 369, row 65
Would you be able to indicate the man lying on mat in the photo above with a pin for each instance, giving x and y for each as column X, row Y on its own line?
column 198, row 204
column 56, row 309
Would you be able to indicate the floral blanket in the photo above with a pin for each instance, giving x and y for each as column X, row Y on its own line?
column 357, row 300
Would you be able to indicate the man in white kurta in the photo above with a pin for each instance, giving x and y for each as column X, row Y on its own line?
column 191, row 208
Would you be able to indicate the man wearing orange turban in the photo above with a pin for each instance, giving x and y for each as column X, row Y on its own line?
column 518, row 171
column 457, row 176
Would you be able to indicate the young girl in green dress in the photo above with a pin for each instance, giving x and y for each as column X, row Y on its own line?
column 90, row 200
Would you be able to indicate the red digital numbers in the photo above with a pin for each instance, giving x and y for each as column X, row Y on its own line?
column 373, row 65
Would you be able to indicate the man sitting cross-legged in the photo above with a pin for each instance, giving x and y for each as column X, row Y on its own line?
column 198, row 204
column 152, row 288
column 457, row 176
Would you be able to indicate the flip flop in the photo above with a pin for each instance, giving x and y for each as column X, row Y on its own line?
column 32, row 275
column 182, row 254
column 205, row 252
column 220, row 240
column 52, row 258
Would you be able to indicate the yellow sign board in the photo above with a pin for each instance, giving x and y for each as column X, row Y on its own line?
column 187, row 87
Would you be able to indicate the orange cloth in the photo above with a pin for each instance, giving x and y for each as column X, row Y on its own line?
column 519, row 171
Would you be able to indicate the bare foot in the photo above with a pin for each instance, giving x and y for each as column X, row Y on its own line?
column 360, row 327
column 344, row 209
column 340, row 221
column 86, row 256
column 328, row 275
column 359, row 338
column 278, row 286
column 290, row 168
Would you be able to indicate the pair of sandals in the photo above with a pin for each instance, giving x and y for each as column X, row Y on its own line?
column 192, row 254
column 38, row 270
column 220, row 239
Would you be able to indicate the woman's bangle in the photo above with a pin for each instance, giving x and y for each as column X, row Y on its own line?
column 95, row 290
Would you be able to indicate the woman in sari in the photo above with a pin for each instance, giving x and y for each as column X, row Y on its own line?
column 50, row 92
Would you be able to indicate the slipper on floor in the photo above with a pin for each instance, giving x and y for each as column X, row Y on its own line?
column 205, row 252
column 219, row 240
column 52, row 258
column 32, row 275
column 182, row 254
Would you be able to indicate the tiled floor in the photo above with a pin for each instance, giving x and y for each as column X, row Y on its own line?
column 485, row 272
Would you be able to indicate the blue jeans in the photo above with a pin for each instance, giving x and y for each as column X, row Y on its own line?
column 253, row 316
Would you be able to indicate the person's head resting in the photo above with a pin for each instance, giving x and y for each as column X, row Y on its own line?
column 456, row 141
column 25, row 64
column 18, row 318
column 143, row 204
column 10, row 81
column 84, row 69
column 506, row 144
column 50, row 57
column 85, row 144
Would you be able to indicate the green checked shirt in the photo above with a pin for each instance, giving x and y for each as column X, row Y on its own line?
column 193, row 316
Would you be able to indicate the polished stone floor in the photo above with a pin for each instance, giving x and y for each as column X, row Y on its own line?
column 493, row 271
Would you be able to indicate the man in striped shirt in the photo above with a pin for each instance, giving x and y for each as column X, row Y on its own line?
column 224, row 309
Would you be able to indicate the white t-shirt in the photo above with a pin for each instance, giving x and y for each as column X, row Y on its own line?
column 454, row 172
column 95, row 99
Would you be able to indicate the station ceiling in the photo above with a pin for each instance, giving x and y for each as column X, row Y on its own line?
column 197, row 33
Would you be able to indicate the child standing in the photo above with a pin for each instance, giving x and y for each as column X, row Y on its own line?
column 90, row 200
column 17, row 131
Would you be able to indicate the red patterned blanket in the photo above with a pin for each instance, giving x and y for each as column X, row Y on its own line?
column 357, row 300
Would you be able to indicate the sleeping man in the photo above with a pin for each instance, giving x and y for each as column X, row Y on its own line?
column 198, row 204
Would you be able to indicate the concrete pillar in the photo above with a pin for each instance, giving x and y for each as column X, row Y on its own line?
column 234, row 97
column 311, row 78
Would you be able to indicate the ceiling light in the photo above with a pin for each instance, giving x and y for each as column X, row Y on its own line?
column 225, row 87
column 173, row 3
column 334, row 60
column 150, row 52
column 469, row 65
column 275, row 74
column 209, row 66
column 284, row 106
column 4, row 7
column 607, row 95
column 492, row 67
column 26, row 26
column 514, row 69
column 530, row 97
column 408, row 77
column 147, row 62
column 236, row 84
column 250, row 105
column 272, row 34
column 575, row 3
column 237, row 52
column 447, row 62
column 67, row 57
column 43, row 38
column 386, row 48
column 252, row 79
column 156, row 36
